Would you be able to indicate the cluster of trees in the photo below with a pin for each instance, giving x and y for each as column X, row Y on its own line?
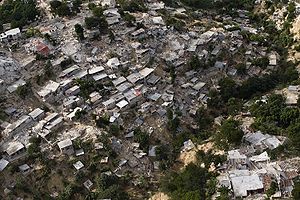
column 63, row 9
column 274, row 117
column 262, row 62
column 98, row 20
column 24, row 90
column 46, row 75
column 34, row 149
column 88, row 86
column 79, row 31
column 133, row 5
column 102, row 121
column 230, row 97
column 230, row 134
column 18, row 12
column 195, row 63
column 109, row 186
column 189, row 184
column 194, row 182
column 142, row 138
column 296, row 191
column 173, row 121
column 258, row 85
column 277, row 40
column 228, row 5
column 178, row 24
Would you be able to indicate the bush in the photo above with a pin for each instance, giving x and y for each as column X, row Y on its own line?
column 297, row 48
column 102, row 121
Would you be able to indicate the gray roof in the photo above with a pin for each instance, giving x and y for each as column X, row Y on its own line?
column 15, row 85
column 3, row 164
column 119, row 80
column 255, row 138
column 24, row 167
column 242, row 184
column 69, row 71
column 36, row 113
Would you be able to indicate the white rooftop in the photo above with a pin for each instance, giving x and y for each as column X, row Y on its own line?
column 122, row 104
column 113, row 62
column 65, row 143
column 95, row 70
column 14, row 147
column 78, row 165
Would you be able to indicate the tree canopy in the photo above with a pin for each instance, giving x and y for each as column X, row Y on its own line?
column 18, row 13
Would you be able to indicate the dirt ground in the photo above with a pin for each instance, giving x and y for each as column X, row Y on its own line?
column 296, row 28
column 190, row 156
column 159, row 196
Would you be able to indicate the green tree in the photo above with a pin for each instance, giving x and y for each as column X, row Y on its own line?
column 34, row 150
column 195, row 63
column 296, row 191
column 189, row 183
column 272, row 190
column 228, row 88
column 18, row 13
column 203, row 118
column 234, row 105
column 142, row 138
column 79, row 31
column 24, row 90
column 230, row 134
column 241, row 68
column 293, row 133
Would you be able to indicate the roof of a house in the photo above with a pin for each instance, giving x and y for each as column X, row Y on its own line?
column 24, row 167
column 14, row 147
column 235, row 154
column 65, row 143
column 95, row 70
column 255, row 138
column 78, row 165
column 122, row 104
column 242, row 184
column 15, row 85
column 3, row 164
column 36, row 113
column 146, row 72
column 261, row 157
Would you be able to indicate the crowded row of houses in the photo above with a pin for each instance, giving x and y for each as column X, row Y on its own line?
column 249, row 170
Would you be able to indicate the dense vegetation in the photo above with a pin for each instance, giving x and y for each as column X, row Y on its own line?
column 194, row 182
column 275, row 118
column 98, row 20
column 63, row 8
column 18, row 13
